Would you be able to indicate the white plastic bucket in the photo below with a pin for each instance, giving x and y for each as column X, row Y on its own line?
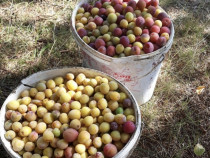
column 48, row 74
column 139, row 73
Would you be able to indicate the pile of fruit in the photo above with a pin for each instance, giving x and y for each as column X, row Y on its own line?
column 72, row 117
column 120, row 28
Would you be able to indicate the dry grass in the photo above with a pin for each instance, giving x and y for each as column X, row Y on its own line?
column 35, row 35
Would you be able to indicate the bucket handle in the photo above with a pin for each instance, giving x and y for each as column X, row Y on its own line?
column 162, row 57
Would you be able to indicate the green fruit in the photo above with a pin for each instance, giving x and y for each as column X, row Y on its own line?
column 199, row 150
column 112, row 18
column 119, row 110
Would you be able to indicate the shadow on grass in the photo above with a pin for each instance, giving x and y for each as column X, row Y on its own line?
column 51, row 53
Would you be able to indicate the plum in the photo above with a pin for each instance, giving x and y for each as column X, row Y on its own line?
column 118, row 8
column 98, row 20
column 166, row 22
column 110, row 51
column 102, row 49
column 149, row 22
column 165, row 29
column 145, row 31
column 155, row 28
column 162, row 15
column 110, row 150
column 124, row 41
column 148, row 47
column 145, row 38
column 70, row 135
column 82, row 32
column 119, row 18
column 127, row 103
column 140, row 21
column 99, row 43
column 129, row 127
column 141, row 4
column 161, row 41
column 69, row 151
column 114, row 126
column 154, row 37
column 128, row 9
column 98, row 4
column 155, row 3
column 135, row 50
column 102, row 11
column 117, row 32
column 152, row 10
column 132, row 3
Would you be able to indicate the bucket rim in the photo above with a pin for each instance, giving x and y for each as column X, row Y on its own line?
column 85, row 47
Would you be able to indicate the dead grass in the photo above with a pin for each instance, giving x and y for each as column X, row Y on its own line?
column 35, row 35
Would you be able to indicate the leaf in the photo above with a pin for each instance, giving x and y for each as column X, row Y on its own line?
column 200, row 89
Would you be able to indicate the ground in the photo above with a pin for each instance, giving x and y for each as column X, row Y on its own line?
column 35, row 35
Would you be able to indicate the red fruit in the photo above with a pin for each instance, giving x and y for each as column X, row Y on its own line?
column 149, row 22
column 69, row 151
column 99, row 43
column 124, row 41
column 85, row 6
column 117, row 32
column 155, row 28
column 92, row 45
column 102, row 49
column 114, row 126
column 70, row 135
column 118, row 8
column 82, row 32
column 152, row 10
column 166, row 22
column 155, row 3
column 162, row 15
column 98, row 21
column 103, row 1
column 135, row 50
column 148, row 3
column 90, row 8
column 110, row 150
column 124, row 31
column 141, row 4
column 138, row 38
column 128, row 9
column 119, row 18
column 110, row 51
column 165, row 29
column 140, row 21
column 145, row 31
column 148, row 47
column 102, row 11
column 98, row 4
column 132, row 3
column 154, row 37
column 161, row 41
column 129, row 127
column 114, row 2
column 127, row 103
column 156, row 47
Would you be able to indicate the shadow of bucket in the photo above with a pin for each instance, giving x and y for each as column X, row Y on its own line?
column 139, row 73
